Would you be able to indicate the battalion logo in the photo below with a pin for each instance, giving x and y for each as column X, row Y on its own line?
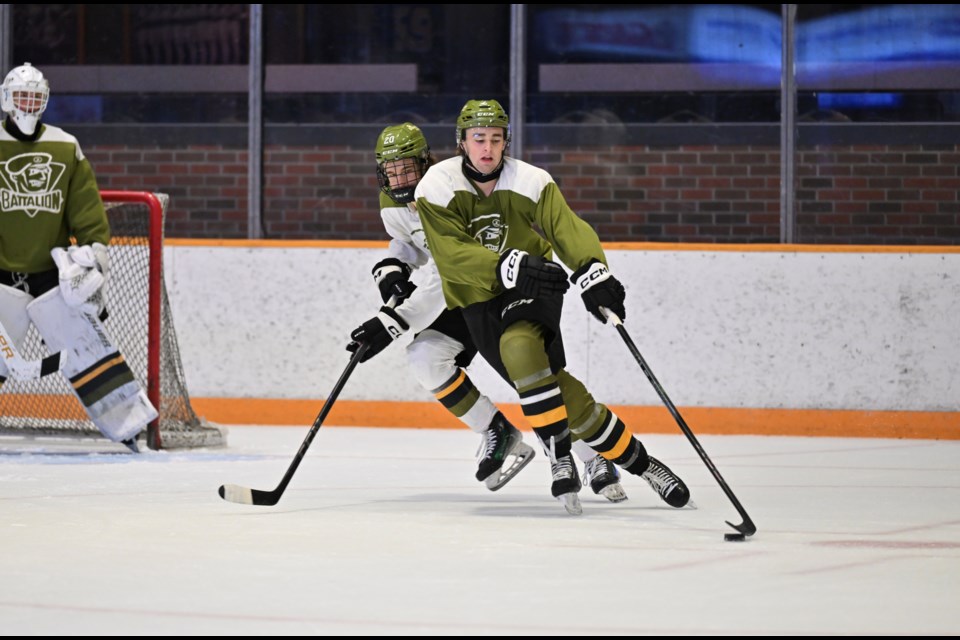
column 28, row 184
column 491, row 232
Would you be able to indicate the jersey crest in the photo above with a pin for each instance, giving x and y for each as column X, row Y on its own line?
column 490, row 232
column 29, row 183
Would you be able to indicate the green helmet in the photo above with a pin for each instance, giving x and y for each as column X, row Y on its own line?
column 402, row 142
column 482, row 113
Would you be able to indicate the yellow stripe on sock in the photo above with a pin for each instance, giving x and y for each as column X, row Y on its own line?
column 453, row 387
column 550, row 417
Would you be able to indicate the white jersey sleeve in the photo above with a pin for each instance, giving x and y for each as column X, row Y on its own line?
column 403, row 225
column 408, row 244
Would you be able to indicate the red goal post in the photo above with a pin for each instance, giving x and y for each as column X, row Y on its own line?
column 140, row 322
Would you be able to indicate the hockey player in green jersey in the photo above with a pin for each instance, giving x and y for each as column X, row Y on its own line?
column 479, row 212
column 48, row 195
column 441, row 348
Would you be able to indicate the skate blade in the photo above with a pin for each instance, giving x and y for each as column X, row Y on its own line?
column 614, row 492
column 571, row 502
column 516, row 460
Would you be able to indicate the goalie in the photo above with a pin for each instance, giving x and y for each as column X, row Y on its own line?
column 48, row 195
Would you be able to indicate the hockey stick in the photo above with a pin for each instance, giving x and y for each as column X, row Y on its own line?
column 243, row 495
column 747, row 528
column 22, row 369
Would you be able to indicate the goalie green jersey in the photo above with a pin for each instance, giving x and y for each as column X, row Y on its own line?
column 467, row 231
column 48, row 193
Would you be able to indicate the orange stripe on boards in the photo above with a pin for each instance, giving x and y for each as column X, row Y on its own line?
column 936, row 425
column 705, row 247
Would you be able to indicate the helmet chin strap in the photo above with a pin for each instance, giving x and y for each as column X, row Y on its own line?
column 471, row 172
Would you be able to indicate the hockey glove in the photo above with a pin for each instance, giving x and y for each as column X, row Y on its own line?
column 393, row 278
column 599, row 288
column 377, row 332
column 531, row 275
column 83, row 276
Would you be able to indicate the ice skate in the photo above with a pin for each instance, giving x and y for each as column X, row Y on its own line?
column 670, row 488
column 502, row 454
column 566, row 484
column 604, row 478
column 131, row 443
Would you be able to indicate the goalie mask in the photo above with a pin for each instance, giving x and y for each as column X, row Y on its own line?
column 24, row 96
column 403, row 156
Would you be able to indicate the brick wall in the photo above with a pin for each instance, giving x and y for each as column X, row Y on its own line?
column 849, row 194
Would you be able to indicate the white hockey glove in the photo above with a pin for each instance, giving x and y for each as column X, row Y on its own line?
column 83, row 276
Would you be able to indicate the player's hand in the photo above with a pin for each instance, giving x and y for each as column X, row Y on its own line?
column 599, row 288
column 531, row 275
column 377, row 333
column 393, row 279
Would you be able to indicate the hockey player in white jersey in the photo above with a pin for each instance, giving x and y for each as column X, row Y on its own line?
column 442, row 346
column 48, row 194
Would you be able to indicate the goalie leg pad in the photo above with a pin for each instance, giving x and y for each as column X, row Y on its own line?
column 100, row 376
column 13, row 313
column 16, row 322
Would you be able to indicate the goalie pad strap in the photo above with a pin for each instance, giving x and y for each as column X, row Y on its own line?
column 50, row 364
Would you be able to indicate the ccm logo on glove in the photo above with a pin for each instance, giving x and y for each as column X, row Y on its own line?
column 378, row 332
column 598, row 288
column 597, row 273
column 531, row 275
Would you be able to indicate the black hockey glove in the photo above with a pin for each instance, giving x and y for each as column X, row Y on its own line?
column 393, row 278
column 377, row 332
column 531, row 275
column 599, row 288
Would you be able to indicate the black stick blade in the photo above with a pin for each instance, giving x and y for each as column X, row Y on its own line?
column 747, row 528
column 243, row 495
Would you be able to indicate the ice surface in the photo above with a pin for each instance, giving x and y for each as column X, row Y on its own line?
column 385, row 531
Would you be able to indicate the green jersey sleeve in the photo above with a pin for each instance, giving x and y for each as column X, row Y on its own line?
column 86, row 216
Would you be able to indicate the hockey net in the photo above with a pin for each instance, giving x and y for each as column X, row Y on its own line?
column 141, row 324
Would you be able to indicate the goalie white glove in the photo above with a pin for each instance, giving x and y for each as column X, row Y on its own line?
column 83, row 276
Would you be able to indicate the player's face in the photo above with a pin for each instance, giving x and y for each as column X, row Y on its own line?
column 28, row 101
column 484, row 146
column 402, row 173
